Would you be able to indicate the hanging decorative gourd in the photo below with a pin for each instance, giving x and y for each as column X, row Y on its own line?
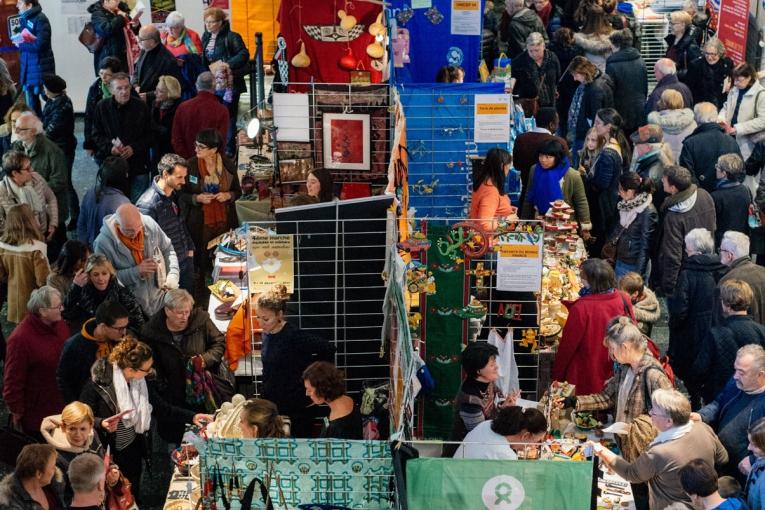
column 301, row 59
column 347, row 21
column 376, row 50
column 349, row 60
column 377, row 28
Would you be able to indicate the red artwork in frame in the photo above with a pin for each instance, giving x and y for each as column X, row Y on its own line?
column 346, row 141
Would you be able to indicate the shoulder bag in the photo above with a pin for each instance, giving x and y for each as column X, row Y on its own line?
column 90, row 38
column 758, row 137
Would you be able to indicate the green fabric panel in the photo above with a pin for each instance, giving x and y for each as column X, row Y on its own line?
column 455, row 484
column 439, row 417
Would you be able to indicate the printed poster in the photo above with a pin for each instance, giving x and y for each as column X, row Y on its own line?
column 733, row 24
column 492, row 118
column 519, row 264
column 466, row 17
column 271, row 262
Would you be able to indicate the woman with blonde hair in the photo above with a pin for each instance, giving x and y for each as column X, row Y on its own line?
column 707, row 76
column 681, row 48
column 260, row 418
column 676, row 121
column 23, row 259
column 92, row 285
column 166, row 98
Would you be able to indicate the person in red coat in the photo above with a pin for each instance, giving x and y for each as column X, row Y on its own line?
column 202, row 112
column 34, row 348
column 582, row 359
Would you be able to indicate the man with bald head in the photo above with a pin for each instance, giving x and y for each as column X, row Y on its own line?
column 154, row 61
column 141, row 253
column 665, row 71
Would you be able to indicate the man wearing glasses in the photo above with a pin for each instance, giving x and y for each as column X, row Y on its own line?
column 154, row 61
column 734, row 253
column 94, row 341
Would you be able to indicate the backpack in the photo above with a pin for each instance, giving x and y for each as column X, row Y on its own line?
column 653, row 348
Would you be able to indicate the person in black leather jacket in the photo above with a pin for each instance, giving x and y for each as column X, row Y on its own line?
column 637, row 223
column 109, row 18
column 681, row 47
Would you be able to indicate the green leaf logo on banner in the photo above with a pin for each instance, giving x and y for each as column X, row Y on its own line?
column 503, row 493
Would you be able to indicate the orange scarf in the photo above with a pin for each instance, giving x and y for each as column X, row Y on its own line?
column 214, row 212
column 135, row 245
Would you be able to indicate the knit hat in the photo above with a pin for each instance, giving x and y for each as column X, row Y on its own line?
column 54, row 83
column 650, row 133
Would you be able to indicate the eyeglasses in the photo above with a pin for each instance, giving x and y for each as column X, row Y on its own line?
column 147, row 372
column 121, row 329
column 23, row 129
column 201, row 146
column 59, row 307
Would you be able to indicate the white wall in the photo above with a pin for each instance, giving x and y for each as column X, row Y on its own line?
column 73, row 62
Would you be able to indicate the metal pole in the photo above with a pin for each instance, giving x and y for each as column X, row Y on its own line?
column 259, row 71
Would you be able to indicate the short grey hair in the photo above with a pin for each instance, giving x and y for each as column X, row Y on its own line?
column 206, row 81
column 37, row 124
column 535, row 39
column 175, row 19
column 715, row 44
column 621, row 330
column 732, row 165
column 700, row 240
column 177, row 297
column 736, row 243
column 705, row 112
column 665, row 66
column 85, row 472
column 687, row 4
column 674, row 404
column 41, row 298
column 757, row 352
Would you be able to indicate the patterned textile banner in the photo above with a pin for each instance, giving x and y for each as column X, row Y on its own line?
column 452, row 484
column 350, row 474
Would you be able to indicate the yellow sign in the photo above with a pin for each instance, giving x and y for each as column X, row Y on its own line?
column 465, row 5
column 491, row 108
column 519, row 251
column 271, row 262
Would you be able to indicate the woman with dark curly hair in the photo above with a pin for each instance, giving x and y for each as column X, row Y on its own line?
column 325, row 384
column 70, row 261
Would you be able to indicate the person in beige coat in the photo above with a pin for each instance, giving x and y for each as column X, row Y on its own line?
column 743, row 113
column 23, row 259
column 22, row 185
column 679, row 442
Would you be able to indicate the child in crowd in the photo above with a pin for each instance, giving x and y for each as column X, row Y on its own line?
column 755, row 483
column 728, row 487
column 644, row 301
column 593, row 144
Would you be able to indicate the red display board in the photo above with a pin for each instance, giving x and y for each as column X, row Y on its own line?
column 732, row 28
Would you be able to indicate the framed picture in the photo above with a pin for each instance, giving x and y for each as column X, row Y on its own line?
column 346, row 141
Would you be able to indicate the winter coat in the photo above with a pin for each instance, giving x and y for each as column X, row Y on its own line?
column 81, row 303
column 706, row 81
column 162, row 119
column 77, row 357
column 192, row 210
column 153, row 64
column 201, row 337
column 597, row 94
column 573, row 193
column 682, row 53
column 110, row 28
column 156, row 243
column 92, row 213
column 732, row 200
column 603, row 188
column 596, row 47
column 566, row 86
column 582, row 359
column 682, row 212
column 230, row 48
column 744, row 269
column 13, row 495
column 58, row 123
column 628, row 72
column 131, row 123
column 702, row 148
column 649, row 376
column 668, row 82
column 755, row 485
column 514, row 30
column 203, row 110
column 166, row 212
column 49, row 161
column 537, row 80
column 691, row 311
column 29, row 384
column 677, row 125
column 651, row 166
column 8, row 199
column 95, row 94
column 634, row 244
column 23, row 268
column 717, row 352
column 36, row 57
column 751, row 116
column 647, row 311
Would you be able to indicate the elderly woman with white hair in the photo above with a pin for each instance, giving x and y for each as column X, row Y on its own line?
column 692, row 306
column 707, row 75
column 731, row 197
column 185, row 340
column 679, row 441
column 179, row 39
column 734, row 253
column 34, row 348
column 537, row 71
column 681, row 48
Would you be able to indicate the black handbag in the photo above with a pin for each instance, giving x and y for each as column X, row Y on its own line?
column 11, row 443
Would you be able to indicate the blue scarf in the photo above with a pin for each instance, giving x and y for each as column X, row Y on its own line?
column 547, row 186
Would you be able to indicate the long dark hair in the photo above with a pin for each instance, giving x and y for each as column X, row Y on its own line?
column 113, row 174
column 326, row 184
column 633, row 181
column 493, row 167
column 72, row 253
column 612, row 117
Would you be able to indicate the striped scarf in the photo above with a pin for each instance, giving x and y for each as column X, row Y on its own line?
column 573, row 112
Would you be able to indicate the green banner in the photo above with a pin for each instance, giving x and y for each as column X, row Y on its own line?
column 457, row 484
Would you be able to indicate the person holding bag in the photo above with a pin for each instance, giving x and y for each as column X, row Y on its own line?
column 628, row 393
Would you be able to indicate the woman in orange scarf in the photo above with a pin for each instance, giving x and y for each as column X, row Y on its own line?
column 208, row 199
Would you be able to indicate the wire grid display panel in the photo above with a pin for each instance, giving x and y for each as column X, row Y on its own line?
column 339, row 290
column 352, row 474
column 440, row 143
column 652, row 46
